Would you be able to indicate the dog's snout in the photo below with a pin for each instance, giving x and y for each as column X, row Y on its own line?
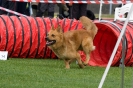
column 46, row 38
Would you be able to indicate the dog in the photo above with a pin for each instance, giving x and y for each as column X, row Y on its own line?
column 66, row 45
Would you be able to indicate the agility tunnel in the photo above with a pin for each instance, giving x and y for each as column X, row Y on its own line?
column 24, row 37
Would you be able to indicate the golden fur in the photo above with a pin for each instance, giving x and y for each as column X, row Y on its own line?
column 66, row 45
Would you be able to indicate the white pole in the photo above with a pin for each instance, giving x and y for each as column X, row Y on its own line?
column 110, row 8
column 115, row 48
column 100, row 10
column 30, row 9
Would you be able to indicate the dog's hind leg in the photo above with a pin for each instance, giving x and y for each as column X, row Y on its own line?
column 87, row 48
column 88, row 52
column 79, row 60
column 87, row 58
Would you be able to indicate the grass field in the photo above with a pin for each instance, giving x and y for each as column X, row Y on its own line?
column 105, row 16
column 48, row 73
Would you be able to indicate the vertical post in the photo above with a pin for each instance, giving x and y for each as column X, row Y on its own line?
column 122, row 65
column 30, row 9
column 110, row 8
column 100, row 10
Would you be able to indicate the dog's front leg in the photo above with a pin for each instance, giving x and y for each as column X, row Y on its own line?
column 67, row 63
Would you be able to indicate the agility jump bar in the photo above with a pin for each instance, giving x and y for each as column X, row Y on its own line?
column 78, row 1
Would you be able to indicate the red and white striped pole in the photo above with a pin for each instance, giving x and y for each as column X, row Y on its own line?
column 70, row 1
column 78, row 1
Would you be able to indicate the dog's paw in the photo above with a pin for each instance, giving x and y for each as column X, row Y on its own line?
column 85, row 63
column 81, row 65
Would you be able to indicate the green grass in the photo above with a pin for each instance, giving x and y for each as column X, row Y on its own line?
column 105, row 15
column 49, row 73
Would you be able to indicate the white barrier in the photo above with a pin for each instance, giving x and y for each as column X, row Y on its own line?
column 13, row 12
column 3, row 55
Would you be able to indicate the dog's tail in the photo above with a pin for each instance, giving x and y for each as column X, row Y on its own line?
column 89, row 25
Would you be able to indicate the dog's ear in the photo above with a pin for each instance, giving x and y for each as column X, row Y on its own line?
column 52, row 28
column 59, row 28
